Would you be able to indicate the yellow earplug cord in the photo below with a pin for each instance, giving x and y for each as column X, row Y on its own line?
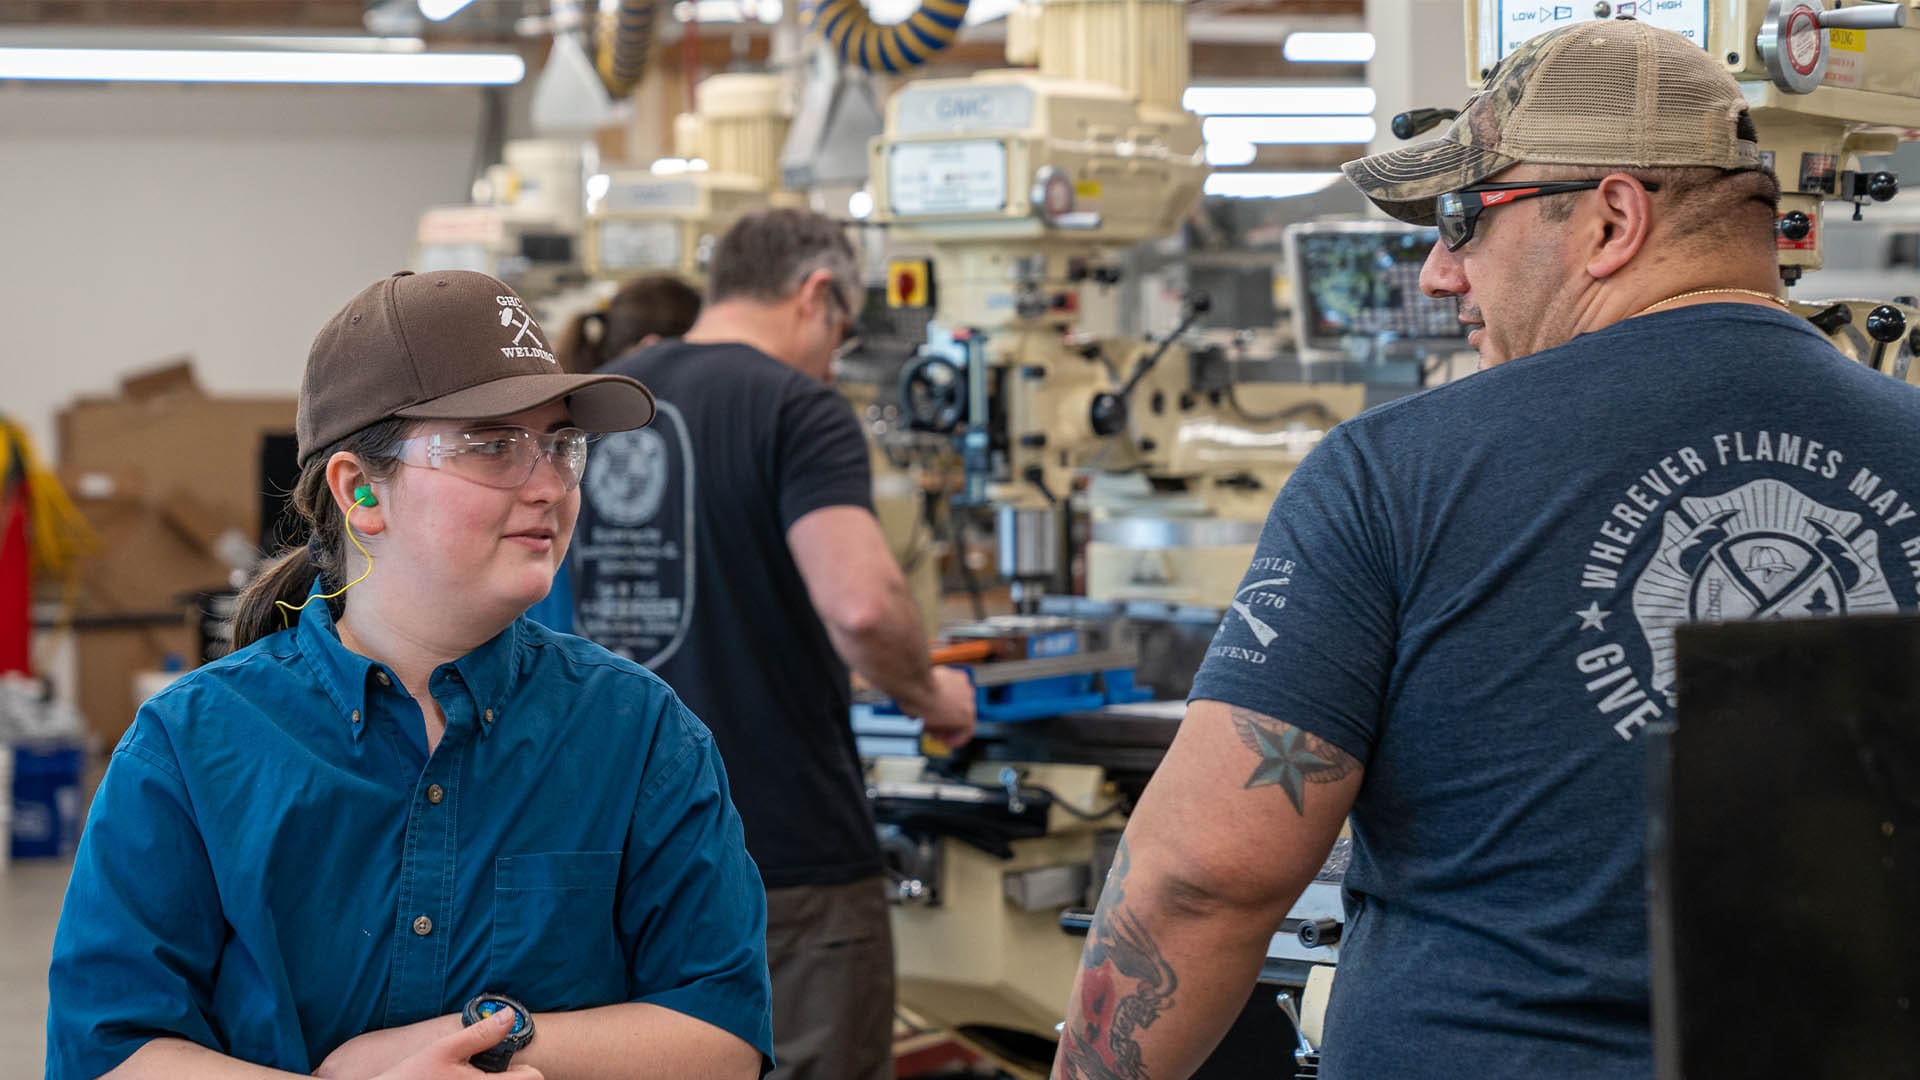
column 286, row 616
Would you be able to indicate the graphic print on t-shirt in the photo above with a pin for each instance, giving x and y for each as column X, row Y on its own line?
column 1256, row 604
column 633, row 557
column 1816, row 535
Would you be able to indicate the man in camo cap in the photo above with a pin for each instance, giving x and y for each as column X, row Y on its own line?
column 1457, row 627
column 1611, row 124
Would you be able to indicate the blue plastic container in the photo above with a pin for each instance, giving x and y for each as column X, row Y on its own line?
column 46, row 800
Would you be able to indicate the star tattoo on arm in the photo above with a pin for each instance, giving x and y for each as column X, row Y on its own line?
column 1290, row 758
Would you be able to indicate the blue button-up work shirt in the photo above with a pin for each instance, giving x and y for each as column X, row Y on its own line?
column 275, row 863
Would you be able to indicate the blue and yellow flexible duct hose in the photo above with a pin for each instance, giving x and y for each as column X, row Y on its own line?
column 846, row 25
column 623, row 52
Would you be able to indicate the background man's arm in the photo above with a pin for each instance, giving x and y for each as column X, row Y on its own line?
column 861, row 595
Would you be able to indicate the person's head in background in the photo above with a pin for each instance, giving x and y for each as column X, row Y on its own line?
column 646, row 311
column 786, row 282
column 435, row 424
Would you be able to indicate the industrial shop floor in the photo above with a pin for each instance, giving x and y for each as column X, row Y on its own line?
column 30, row 894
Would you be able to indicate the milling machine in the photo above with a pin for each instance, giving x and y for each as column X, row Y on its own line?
column 523, row 225
column 1025, row 188
column 666, row 217
column 1022, row 191
column 1825, row 87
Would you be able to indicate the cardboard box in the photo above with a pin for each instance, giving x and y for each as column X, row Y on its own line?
column 108, row 658
column 161, row 470
column 163, row 440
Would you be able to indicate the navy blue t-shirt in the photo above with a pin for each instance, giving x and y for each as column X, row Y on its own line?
column 1473, row 591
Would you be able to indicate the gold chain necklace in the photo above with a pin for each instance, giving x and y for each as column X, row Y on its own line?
column 1708, row 292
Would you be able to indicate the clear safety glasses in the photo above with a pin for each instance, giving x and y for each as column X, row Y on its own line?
column 501, row 457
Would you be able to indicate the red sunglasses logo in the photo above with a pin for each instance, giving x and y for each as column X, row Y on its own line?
column 1495, row 198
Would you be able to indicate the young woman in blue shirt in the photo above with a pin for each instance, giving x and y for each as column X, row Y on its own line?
column 402, row 807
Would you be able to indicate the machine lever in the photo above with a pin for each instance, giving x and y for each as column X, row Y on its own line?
column 1885, row 325
column 1832, row 318
column 1318, row 932
column 1306, row 1058
column 1010, row 783
column 1198, row 304
column 1416, row 121
column 1865, row 17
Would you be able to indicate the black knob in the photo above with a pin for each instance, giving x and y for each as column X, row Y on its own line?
column 1077, row 270
column 1108, row 275
column 1907, row 301
column 1794, row 225
column 1886, row 324
column 1199, row 303
column 1831, row 319
column 1108, row 416
column 1319, row 932
column 1882, row 186
column 1415, row 121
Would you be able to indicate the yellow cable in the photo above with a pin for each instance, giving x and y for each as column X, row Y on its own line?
column 286, row 619
column 59, row 535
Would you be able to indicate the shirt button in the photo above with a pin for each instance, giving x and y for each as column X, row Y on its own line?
column 381, row 678
column 355, row 716
column 423, row 926
column 489, row 716
column 435, row 793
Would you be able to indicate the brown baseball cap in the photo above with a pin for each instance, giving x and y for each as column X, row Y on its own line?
column 445, row 345
column 1616, row 93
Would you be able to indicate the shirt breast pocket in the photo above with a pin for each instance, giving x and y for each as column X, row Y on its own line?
column 555, row 945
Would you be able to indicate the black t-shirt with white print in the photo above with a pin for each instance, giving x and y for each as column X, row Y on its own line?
column 680, row 562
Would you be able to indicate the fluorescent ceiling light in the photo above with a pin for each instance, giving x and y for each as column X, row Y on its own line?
column 1288, row 129
column 1324, row 48
column 1230, row 153
column 985, row 11
column 439, row 10
column 261, row 66
column 728, row 11
column 1268, row 185
column 1279, row 100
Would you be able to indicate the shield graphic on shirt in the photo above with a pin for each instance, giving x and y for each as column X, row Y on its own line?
column 633, row 547
column 1762, row 551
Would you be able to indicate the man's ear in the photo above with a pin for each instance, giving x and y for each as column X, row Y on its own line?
column 814, row 289
column 1620, row 222
column 345, row 476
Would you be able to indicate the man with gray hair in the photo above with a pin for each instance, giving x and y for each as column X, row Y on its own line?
column 1470, row 595
column 732, row 548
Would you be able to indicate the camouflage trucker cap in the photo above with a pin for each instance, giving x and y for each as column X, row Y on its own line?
column 1611, row 93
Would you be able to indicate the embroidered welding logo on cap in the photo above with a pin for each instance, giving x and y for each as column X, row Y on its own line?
column 445, row 345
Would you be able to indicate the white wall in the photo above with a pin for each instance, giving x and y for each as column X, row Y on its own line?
column 1419, row 61
column 141, row 222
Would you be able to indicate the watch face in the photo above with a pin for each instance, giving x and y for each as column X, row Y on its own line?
column 488, row 1004
column 488, row 1008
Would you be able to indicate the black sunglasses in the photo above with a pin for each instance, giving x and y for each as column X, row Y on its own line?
column 1456, row 211
column 849, row 328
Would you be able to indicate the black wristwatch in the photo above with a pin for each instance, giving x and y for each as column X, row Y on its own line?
column 497, row 1057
